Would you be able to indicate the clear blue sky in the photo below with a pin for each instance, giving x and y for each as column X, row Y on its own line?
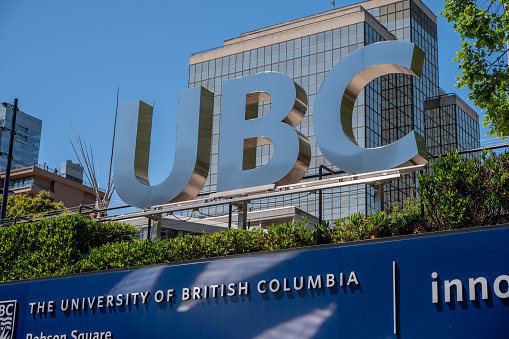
column 65, row 59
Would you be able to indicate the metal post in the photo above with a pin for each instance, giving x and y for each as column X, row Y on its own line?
column 159, row 222
column 422, row 205
column 320, row 174
column 230, row 216
column 320, row 198
column 319, row 230
column 148, row 228
column 9, row 161
column 242, row 215
column 379, row 196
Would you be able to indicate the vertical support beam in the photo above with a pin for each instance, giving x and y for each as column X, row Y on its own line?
column 148, row 229
column 379, row 196
column 230, row 216
column 159, row 222
column 9, row 161
column 242, row 215
column 320, row 203
column 422, row 205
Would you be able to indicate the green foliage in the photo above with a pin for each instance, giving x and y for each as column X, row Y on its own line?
column 356, row 227
column 465, row 192
column 459, row 192
column 287, row 236
column 227, row 242
column 127, row 254
column 401, row 220
column 53, row 246
column 484, row 30
column 406, row 219
column 22, row 204
column 237, row 241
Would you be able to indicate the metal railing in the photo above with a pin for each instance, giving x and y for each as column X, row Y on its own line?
column 223, row 198
column 238, row 196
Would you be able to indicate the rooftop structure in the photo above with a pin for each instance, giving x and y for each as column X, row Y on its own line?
column 71, row 171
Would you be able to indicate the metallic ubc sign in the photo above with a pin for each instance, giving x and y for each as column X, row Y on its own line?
column 241, row 130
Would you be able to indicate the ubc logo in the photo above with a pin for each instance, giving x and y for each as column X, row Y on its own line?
column 8, row 311
column 241, row 130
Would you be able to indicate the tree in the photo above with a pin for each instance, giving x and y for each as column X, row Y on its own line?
column 22, row 204
column 484, row 29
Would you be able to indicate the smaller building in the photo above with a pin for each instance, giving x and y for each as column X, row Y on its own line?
column 72, row 171
column 33, row 179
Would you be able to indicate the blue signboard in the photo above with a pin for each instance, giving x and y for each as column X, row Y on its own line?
column 447, row 285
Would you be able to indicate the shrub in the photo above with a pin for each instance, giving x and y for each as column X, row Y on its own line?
column 127, row 254
column 287, row 236
column 406, row 219
column 227, row 242
column 354, row 227
column 53, row 246
column 463, row 192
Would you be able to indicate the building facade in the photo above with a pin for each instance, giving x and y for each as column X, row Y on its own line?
column 32, row 179
column 452, row 123
column 26, row 141
column 72, row 171
column 387, row 109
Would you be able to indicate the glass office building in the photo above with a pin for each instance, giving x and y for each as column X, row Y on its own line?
column 452, row 124
column 26, row 141
column 387, row 109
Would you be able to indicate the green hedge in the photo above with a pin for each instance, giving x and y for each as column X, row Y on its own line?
column 53, row 246
column 458, row 192
column 227, row 242
column 235, row 241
